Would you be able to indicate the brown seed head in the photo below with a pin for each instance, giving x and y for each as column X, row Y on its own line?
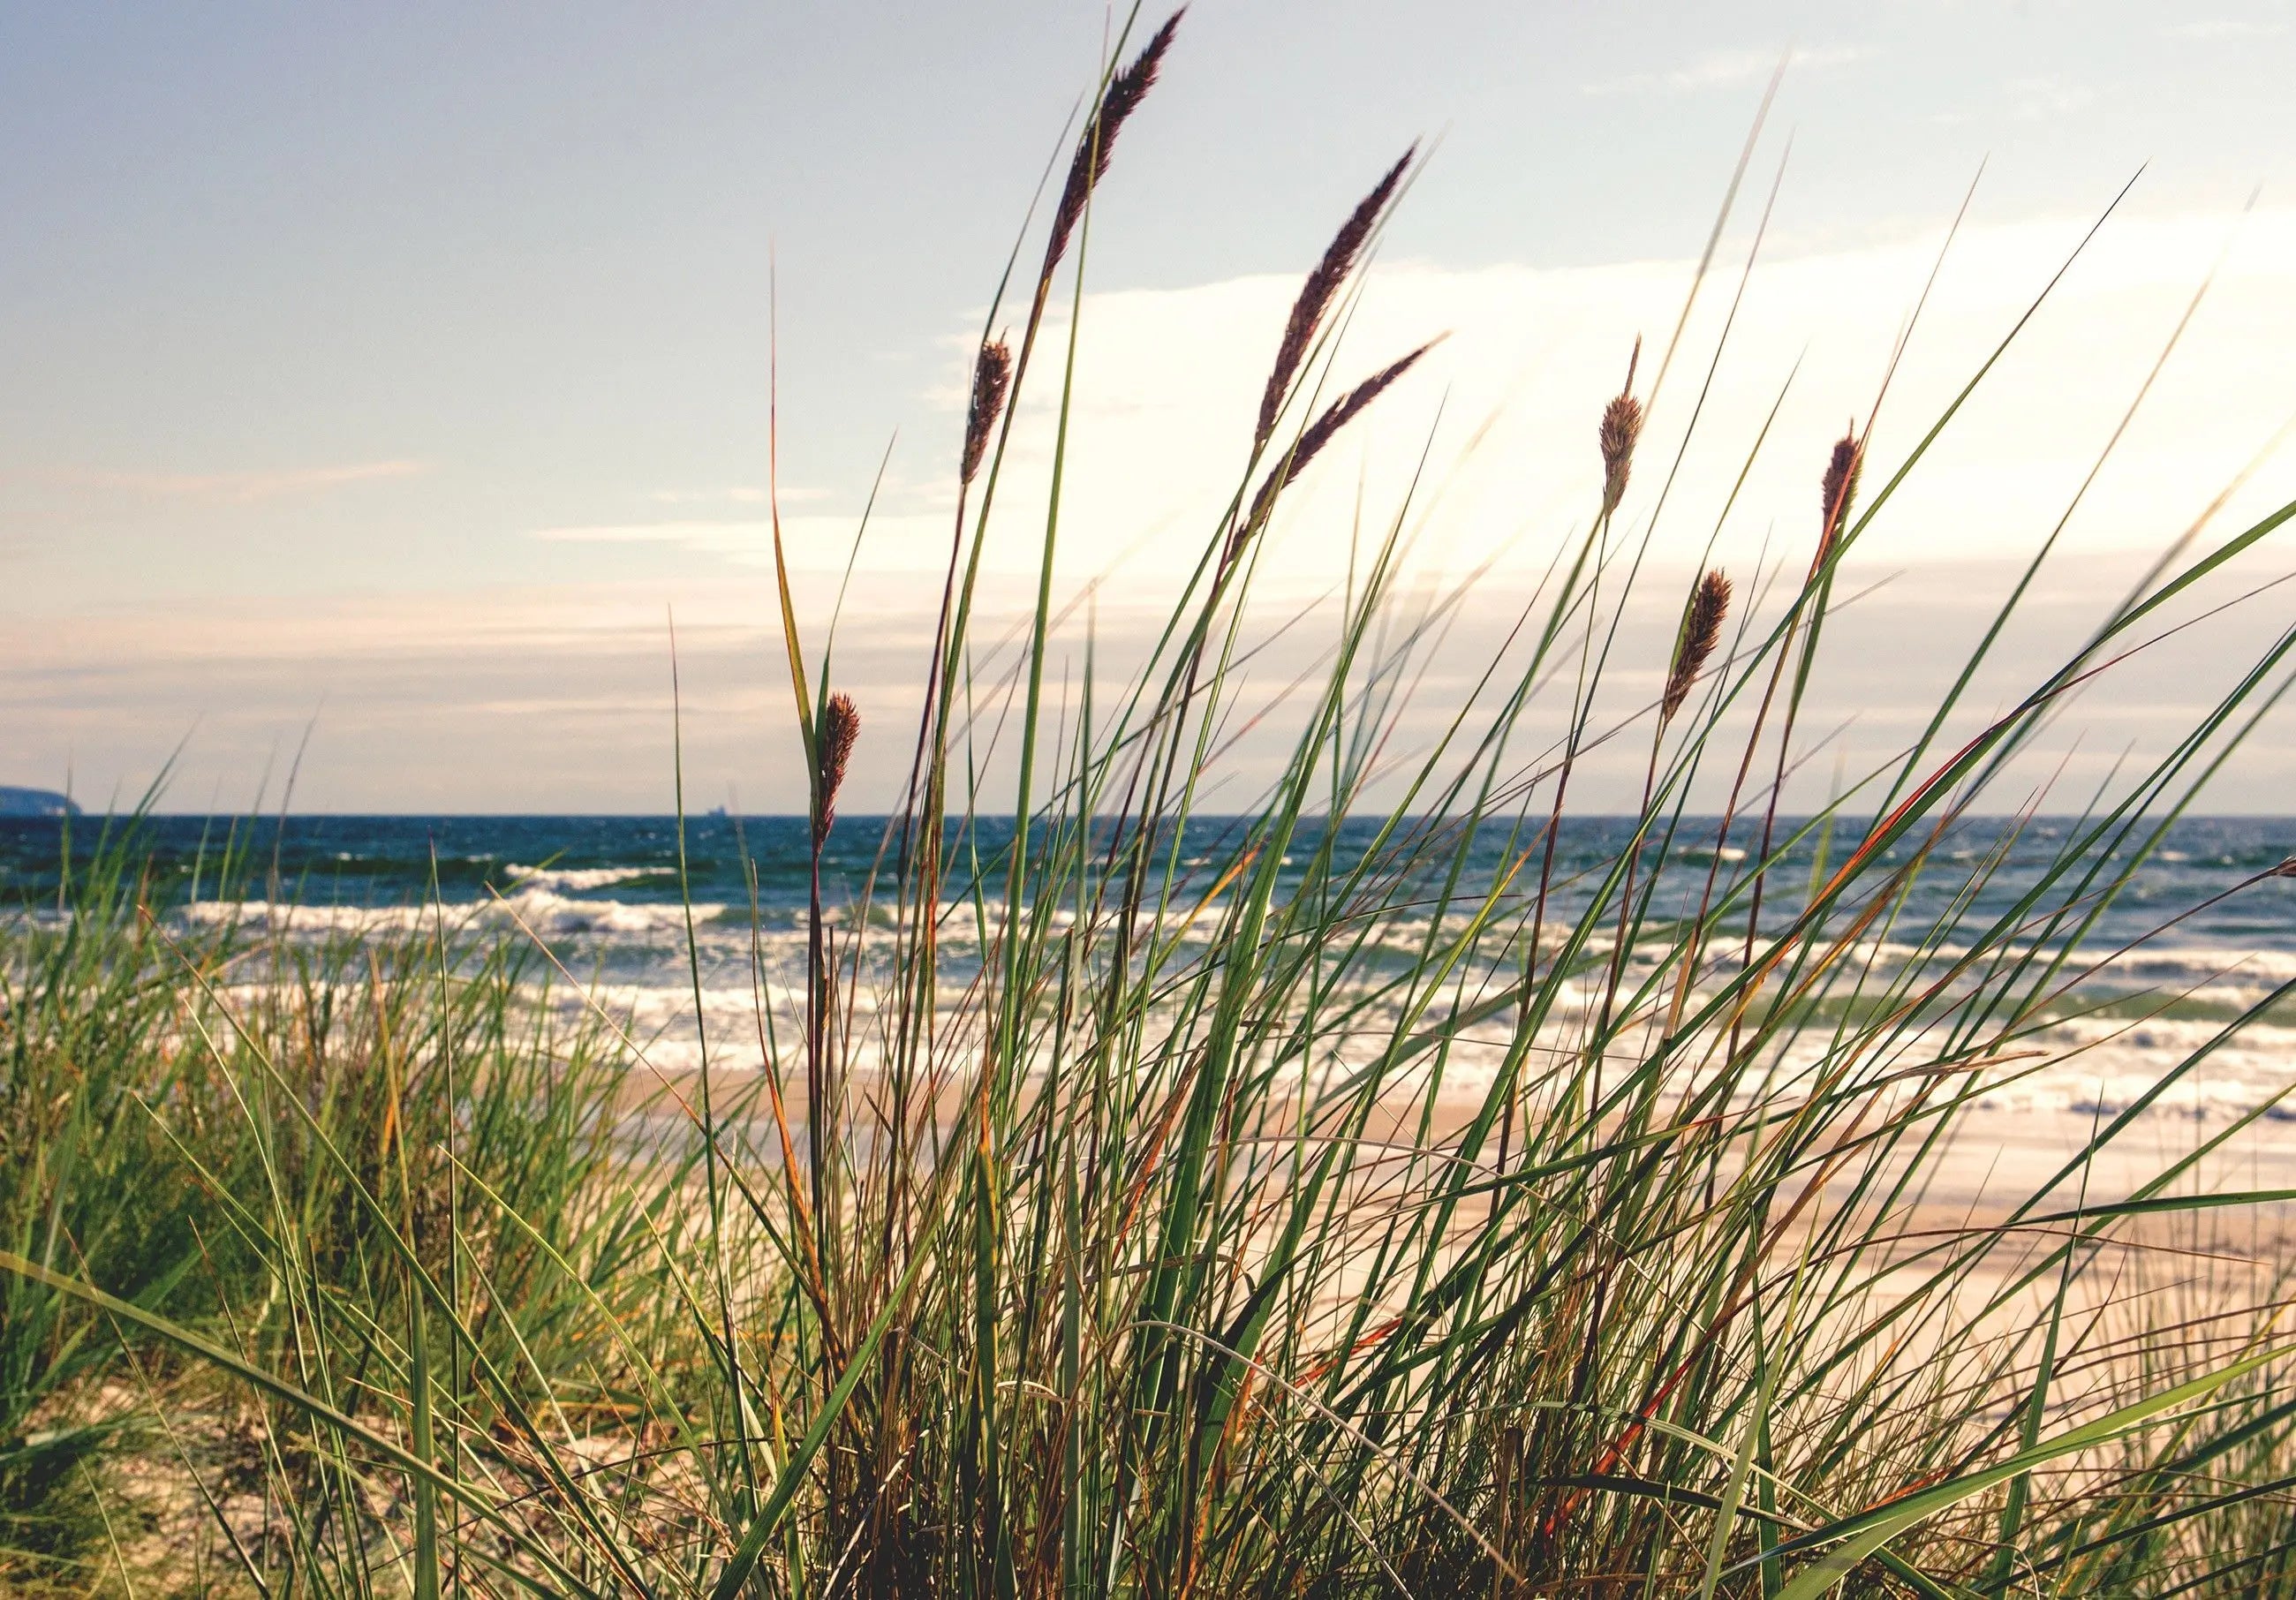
column 1622, row 424
column 1322, row 287
column 1089, row 164
column 992, row 375
column 840, row 724
column 1840, row 488
column 1336, row 416
column 1702, row 631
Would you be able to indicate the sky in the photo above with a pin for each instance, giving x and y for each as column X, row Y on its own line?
column 383, row 383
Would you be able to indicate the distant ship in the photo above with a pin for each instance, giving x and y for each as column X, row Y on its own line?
column 36, row 802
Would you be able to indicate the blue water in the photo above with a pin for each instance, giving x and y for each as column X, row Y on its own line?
column 388, row 861
column 605, row 895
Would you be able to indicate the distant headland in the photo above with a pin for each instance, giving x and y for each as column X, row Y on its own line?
column 36, row 802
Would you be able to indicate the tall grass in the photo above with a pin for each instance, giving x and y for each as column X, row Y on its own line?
column 1139, row 1200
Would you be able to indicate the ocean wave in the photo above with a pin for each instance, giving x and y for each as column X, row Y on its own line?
column 542, row 911
column 579, row 878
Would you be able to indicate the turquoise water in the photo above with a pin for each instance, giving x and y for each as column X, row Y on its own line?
column 607, row 897
column 599, row 865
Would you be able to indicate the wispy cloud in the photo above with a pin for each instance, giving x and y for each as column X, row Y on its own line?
column 2216, row 29
column 2041, row 98
column 2046, row 98
column 1721, row 69
column 732, row 494
column 817, row 541
column 688, row 533
column 245, row 488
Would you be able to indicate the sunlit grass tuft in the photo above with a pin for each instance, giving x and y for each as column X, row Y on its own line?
column 1139, row 1200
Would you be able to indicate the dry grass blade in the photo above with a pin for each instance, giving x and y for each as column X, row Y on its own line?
column 1321, row 289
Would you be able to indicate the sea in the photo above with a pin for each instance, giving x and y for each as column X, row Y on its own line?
column 630, row 910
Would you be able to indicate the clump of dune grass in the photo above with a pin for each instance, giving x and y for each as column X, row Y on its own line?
column 275, row 1140
column 1147, row 1201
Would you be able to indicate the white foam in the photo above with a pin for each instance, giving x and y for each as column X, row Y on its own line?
column 547, row 913
column 578, row 878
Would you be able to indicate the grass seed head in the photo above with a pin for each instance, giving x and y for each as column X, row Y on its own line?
column 992, row 376
column 1089, row 164
column 1321, row 289
column 840, row 724
column 1841, row 486
column 1702, row 631
column 1622, row 424
column 1321, row 432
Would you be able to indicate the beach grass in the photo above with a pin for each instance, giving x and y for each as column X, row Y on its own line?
column 1142, row 1200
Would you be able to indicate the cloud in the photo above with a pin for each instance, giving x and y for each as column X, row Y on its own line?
column 246, row 487
column 813, row 541
column 1490, row 443
column 1486, row 449
column 2217, row 30
column 558, row 698
column 735, row 494
column 1723, row 68
column 2047, row 97
column 720, row 535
